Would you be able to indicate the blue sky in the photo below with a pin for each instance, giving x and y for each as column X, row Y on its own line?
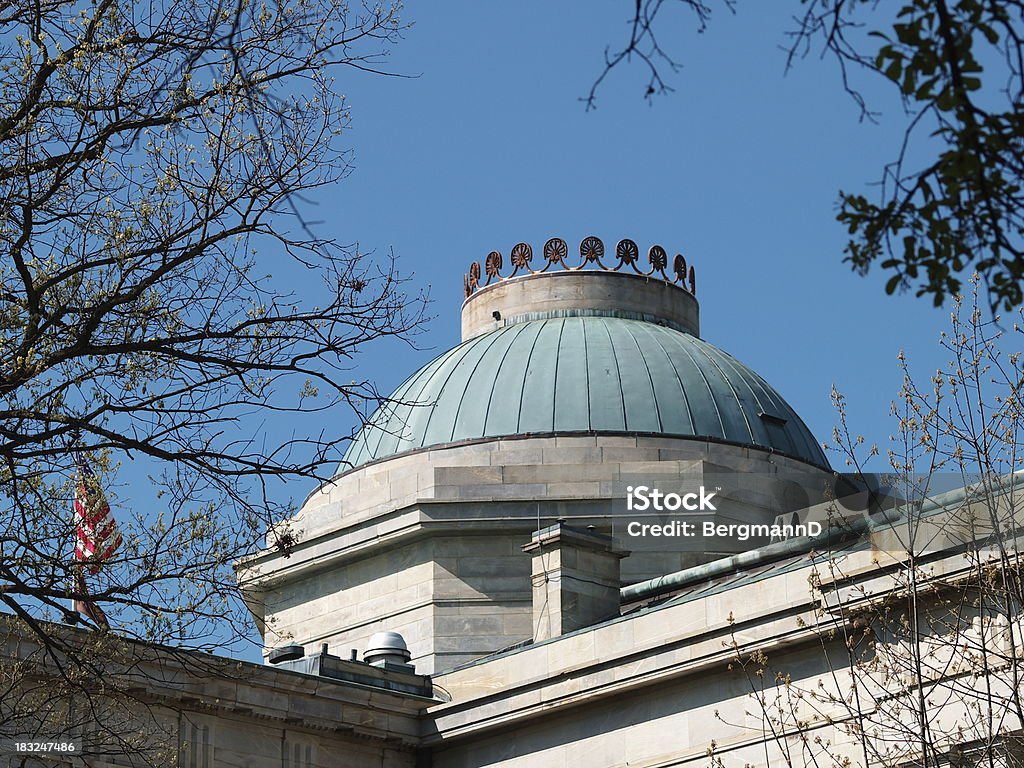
column 488, row 144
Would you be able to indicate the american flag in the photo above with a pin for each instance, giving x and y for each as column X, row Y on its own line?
column 95, row 530
column 96, row 537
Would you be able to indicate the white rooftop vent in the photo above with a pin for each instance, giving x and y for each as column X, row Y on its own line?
column 386, row 648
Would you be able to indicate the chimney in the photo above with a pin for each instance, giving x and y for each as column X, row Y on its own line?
column 575, row 579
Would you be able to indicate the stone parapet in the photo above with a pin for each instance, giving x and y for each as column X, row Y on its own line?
column 565, row 294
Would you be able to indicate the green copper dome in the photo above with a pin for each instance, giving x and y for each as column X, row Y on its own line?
column 583, row 374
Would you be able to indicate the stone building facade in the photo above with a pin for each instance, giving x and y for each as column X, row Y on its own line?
column 465, row 592
column 567, row 383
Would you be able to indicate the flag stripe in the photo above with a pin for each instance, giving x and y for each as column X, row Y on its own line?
column 88, row 608
column 96, row 534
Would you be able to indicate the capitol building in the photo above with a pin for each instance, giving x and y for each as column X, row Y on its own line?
column 496, row 462
column 473, row 588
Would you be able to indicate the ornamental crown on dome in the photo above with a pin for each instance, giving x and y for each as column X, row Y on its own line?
column 591, row 252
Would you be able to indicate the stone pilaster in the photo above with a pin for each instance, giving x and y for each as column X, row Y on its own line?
column 575, row 578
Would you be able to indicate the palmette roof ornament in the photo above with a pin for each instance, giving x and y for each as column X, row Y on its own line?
column 592, row 255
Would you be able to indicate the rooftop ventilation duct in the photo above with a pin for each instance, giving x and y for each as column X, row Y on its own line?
column 387, row 649
column 286, row 653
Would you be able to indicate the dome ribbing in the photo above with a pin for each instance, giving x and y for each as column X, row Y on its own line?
column 583, row 374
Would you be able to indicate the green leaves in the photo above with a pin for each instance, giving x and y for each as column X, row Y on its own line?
column 951, row 198
column 961, row 206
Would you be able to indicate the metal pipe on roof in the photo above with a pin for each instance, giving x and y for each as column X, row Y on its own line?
column 783, row 549
column 762, row 555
